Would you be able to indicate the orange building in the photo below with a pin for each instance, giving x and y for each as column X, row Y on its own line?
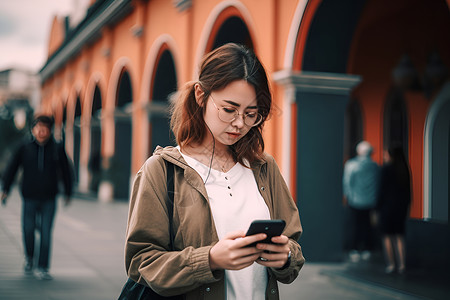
column 340, row 71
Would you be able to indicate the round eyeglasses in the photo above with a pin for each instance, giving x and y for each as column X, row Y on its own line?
column 230, row 113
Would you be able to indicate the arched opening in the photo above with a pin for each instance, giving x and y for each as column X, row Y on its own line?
column 96, row 139
column 233, row 30
column 120, row 165
column 164, row 84
column 437, row 159
column 77, row 138
column 395, row 121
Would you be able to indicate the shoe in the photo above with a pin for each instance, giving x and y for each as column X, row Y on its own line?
column 389, row 269
column 43, row 274
column 401, row 270
column 28, row 267
column 354, row 256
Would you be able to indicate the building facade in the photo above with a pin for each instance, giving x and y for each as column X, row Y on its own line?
column 340, row 72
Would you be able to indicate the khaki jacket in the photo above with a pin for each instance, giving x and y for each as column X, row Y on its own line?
column 186, row 270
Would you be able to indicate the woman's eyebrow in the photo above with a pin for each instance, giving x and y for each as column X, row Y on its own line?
column 238, row 105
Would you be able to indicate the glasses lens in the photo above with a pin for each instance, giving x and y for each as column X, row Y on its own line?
column 252, row 119
column 227, row 114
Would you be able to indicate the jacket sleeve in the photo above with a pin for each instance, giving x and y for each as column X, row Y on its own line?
column 67, row 171
column 346, row 180
column 11, row 169
column 148, row 259
column 285, row 208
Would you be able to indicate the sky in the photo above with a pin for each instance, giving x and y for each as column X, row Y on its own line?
column 25, row 29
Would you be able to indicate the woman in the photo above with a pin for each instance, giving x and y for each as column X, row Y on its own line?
column 393, row 206
column 223, row 181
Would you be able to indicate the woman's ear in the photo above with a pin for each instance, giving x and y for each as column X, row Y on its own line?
column 199, row 93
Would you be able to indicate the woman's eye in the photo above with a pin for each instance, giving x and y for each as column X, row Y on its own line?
column 229, row 110
column 251, row 115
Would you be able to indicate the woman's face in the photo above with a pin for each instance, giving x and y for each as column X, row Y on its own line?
column 239, row 95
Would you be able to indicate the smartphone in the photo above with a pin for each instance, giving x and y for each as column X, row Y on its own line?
column 270, row 227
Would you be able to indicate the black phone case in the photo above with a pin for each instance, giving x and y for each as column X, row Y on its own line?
column 270, row 227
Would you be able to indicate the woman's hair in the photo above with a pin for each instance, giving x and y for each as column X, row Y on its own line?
column 219, row 68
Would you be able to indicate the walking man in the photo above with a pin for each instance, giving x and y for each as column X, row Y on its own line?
column 43, row 162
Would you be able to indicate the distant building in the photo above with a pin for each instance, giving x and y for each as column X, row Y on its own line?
column 340, row 72
column 19, row 98
column 19, row 93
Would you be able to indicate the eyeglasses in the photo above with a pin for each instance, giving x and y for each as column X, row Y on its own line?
column 229, row 114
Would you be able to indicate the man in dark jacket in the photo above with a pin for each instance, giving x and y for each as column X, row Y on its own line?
column 43, row 162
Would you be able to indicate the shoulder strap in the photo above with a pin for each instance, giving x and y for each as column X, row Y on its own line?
column 170, row 203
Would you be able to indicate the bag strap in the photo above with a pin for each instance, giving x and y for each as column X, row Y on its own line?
column 170, row 203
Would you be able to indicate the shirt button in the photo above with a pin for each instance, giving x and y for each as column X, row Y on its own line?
column 229, row 187
column 231, row 194
column 273, row 291
column 226, row 178
column 263, row 188
column 208, row 289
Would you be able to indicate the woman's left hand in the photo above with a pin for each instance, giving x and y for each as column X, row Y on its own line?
column 274, row 255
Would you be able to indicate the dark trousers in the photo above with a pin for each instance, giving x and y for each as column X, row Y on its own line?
column 362, row 237
column 38, row 215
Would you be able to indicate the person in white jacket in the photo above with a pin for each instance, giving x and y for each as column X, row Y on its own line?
column 360, row 186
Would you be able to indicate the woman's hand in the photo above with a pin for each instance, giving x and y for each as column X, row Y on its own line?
column 232, row 252
column 274, row 255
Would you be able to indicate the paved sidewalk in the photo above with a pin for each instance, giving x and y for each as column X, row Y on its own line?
column 87, row 259
column 87, row 262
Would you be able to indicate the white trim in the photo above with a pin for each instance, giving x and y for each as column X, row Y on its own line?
column 293, row 34
column 288, row 100
column 427, row 151
column 150, row 64
column 318, row 82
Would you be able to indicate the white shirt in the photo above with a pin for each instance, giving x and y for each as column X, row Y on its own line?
column 235, row 202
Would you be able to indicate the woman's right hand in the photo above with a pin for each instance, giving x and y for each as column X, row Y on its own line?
column 232, row 253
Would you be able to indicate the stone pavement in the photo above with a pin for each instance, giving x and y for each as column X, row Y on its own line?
column 87, row 263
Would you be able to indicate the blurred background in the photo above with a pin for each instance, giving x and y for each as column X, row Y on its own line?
column 340, row 72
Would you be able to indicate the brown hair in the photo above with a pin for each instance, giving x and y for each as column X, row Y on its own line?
column 219, row 68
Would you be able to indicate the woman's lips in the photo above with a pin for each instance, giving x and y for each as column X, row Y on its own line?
column 234, row 134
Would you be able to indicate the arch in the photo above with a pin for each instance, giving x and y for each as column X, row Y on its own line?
column 122, row 64
column 395, row 121
column 77, row 121
column 436, row 158
column 165, row 42
column 298, row 33
column 324, row 37
column 120, row 164
column 94, row 163
column 219, row 14
column 233, row 29
column 164, row 83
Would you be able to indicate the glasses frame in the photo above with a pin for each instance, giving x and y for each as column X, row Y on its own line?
column 244, row 115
